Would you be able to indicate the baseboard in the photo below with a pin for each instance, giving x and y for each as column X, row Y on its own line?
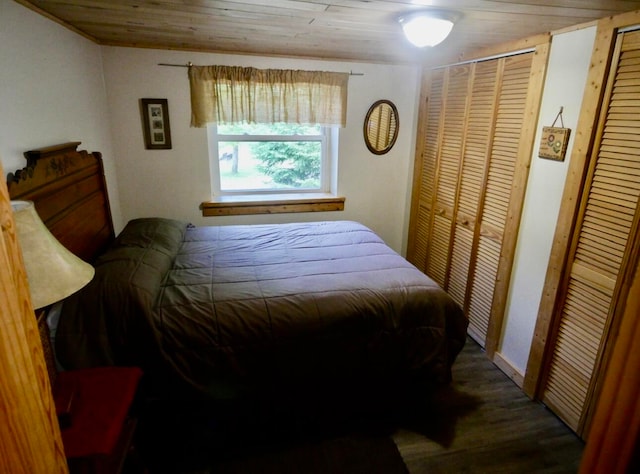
column 511, row 372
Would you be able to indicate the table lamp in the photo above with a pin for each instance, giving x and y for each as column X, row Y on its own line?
column 53, row 272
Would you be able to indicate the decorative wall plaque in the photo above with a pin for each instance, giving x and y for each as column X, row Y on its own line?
column 553, row 145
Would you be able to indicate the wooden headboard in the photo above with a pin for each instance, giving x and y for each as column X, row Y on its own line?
column 69, row 192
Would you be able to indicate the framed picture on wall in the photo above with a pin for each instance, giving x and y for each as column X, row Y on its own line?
column 155, row 124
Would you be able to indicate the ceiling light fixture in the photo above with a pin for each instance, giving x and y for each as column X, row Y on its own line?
column 427, row 27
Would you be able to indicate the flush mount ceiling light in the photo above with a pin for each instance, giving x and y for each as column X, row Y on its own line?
column 427, row 27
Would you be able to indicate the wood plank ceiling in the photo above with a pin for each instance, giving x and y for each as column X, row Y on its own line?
column 359, row 30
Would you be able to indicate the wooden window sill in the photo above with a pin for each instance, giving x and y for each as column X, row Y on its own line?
column 271, row 204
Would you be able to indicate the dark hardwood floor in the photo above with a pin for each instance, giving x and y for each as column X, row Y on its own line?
column 484, row 423
column 481, row 423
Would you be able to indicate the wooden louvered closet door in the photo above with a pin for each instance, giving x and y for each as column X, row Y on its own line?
column 470, row 146
column 603, row 245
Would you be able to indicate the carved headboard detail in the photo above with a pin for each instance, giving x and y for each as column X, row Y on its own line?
column 69, row 192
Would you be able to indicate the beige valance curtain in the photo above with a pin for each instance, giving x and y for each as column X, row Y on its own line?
column 231, row 94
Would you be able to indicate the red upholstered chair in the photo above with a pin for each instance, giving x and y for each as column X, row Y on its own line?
column 93, row 407
column 97, row 430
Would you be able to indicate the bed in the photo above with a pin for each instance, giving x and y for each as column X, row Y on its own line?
column 225, row 310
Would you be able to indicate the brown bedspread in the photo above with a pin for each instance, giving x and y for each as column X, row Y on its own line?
column 228, row 306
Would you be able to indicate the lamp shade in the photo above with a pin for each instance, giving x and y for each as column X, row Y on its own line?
column 53, row 272
column 427, row 28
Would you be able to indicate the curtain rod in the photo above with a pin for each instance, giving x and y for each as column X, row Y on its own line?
column 189, row 64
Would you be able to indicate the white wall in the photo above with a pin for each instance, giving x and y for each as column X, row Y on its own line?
column 567, row 71
column 173, row 183
column 51, row 91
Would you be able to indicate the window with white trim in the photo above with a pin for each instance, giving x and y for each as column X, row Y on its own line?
column 263, row 159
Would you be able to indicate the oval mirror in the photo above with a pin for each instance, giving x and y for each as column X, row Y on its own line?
column 381, row 127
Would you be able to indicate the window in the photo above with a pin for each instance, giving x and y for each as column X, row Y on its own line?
column 264, row 159
column 274, row 168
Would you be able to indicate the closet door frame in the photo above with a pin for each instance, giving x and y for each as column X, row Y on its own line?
column 581, row 162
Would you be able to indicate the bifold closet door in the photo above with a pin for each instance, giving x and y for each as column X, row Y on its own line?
column 497, row 198
column 473, row 174
column 469, row 147
column 452, row 135
column 602, row 246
